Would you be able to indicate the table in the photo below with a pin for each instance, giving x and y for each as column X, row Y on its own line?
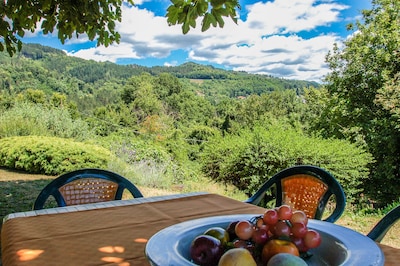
column 112, row 233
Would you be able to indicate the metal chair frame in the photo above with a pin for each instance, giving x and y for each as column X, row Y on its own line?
column 318, row 174
column 53, row 188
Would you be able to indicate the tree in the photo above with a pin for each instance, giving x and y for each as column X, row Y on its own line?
column 212, row 11
column 97, row 18
column 363, row 82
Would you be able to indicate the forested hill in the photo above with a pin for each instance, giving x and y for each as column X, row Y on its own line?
column 49, row 69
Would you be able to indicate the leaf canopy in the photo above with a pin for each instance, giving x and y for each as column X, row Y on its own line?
column 97, row 18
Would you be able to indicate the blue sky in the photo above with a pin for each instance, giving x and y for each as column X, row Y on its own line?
column 282, row 38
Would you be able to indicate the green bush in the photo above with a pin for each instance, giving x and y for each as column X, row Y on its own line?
column 25, row 119
column 149, row 164
column 250, row 157
column 50, row 155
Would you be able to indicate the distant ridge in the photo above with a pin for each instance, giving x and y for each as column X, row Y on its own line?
column 51, row 67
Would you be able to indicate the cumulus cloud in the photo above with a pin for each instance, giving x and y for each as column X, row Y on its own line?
column 269, row 40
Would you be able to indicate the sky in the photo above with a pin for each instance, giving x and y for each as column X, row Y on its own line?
column 282, row 38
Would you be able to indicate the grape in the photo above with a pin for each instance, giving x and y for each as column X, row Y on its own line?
column 299, row 229
column 260, row 236
column 270, row 217
column 239, row 243
column 284, row 212
column 282, row 229
column 299, row 242
column 259, row 222
column 244, row 230
column 299, row 217
column 312, row 239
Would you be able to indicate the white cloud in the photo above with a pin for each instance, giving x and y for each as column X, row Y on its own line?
column 268, row 41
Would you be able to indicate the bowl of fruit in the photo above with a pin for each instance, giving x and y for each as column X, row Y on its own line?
column 279, row 236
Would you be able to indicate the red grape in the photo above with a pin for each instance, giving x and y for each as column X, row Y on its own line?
column 270, row 217
column 260, row 236
column 284, row 212
column 281, row 229
column 312, row 239
column 299, row 242
column 299, row 229
column 299, row 217
column 244, row 230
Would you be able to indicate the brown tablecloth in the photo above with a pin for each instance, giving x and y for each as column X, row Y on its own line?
column 392, row 255
column 113, row 236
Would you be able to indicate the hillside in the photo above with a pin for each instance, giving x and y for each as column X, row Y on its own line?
column 52, row 70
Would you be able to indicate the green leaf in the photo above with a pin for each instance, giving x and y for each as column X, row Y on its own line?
column 185, row 28
column 21, row 33
column 207, row 20
column 173, row 15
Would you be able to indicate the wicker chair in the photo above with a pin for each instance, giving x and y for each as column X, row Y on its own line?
column 303, row 187
column 379, row 231
column 85, row 186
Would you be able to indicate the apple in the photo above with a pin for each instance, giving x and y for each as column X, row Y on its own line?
column 275, row 246
column 206, row 250
column 219, row 233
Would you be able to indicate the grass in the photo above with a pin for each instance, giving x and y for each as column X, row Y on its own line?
column 18, row 191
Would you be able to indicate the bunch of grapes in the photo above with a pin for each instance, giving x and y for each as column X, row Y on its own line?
column 280, row 223
column 278, row 230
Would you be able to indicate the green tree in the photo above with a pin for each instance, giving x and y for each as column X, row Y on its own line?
column 364, row 77
column 97, row 18
column 35, row 96
column 166, row 84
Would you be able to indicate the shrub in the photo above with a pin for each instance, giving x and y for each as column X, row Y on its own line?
column 249, row 158
column 25, row 119
column 151, row 165
column 50, row 155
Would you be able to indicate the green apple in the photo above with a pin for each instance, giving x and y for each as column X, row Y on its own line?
column 219, row 233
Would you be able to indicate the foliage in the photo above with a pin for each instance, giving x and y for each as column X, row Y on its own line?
column 95, row 18
column 163, row 109
column 24, row 119
column 92, row 84
column 363, row 87
column 151, row 164
column 212, row 11
column 248, row 158
column 50, row 155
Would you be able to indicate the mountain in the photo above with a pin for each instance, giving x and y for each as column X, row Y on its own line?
column 50, row 69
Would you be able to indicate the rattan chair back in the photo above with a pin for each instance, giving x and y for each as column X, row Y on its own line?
column 86, row 186
column 303, row 187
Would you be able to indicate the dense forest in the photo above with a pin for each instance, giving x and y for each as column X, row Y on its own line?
column 59, row 112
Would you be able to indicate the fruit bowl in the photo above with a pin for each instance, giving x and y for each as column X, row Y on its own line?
column 339, row 246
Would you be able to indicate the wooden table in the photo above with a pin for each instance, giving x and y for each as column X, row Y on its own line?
column 112, row 233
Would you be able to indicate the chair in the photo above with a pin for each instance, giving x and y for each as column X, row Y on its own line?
column 304, row 187
column 379, row 231
column 86, row 186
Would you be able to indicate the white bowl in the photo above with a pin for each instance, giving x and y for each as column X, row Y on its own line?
column 339, row 245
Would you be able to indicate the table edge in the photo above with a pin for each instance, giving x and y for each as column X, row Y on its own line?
column 99, row 205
